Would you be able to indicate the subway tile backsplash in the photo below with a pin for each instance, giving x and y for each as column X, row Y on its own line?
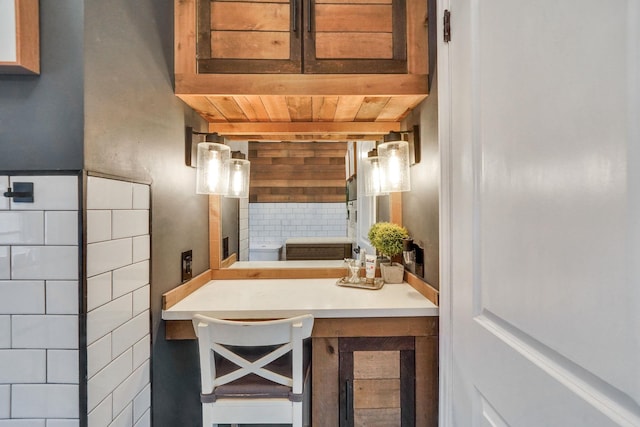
column 39, row 330
column 276, row 222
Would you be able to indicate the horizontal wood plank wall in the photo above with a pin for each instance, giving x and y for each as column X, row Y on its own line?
column 303, row 172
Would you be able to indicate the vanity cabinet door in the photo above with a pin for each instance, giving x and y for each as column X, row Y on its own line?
column 377, row 381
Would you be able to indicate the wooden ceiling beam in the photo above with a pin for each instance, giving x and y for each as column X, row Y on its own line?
column 302, row 84
column 304, row 128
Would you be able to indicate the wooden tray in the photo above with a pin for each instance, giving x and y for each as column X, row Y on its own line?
column 377, row 283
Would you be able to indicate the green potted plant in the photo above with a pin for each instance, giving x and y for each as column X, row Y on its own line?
column 387, row 238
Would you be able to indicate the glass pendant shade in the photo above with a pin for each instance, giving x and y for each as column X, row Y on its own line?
column 394, row 163
column 238, row 180
column 372, row 183
column 212, row 168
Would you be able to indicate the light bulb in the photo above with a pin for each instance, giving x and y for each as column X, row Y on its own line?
column 237, row 180
column 213, row 170
column 395, row 173
column 394, row 162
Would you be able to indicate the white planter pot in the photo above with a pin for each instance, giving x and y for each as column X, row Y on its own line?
column 392, row 273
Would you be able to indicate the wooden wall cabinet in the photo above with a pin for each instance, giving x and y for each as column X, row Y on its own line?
column 19, row 37
column 254, row 71
column 302, row 36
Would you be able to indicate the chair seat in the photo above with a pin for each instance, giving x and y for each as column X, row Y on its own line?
column 254, row 386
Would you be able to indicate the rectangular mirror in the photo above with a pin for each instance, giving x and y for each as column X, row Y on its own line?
column 306, row 207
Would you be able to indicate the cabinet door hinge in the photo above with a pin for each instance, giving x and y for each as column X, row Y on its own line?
column 447, row 26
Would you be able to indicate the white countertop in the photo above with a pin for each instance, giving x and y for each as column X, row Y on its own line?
column 290, row 264
column 278, row 298
column 317, row 240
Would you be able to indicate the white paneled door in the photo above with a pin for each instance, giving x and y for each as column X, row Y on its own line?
column 540, row 134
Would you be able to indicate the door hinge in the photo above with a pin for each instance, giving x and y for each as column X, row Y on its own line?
column 447, row 26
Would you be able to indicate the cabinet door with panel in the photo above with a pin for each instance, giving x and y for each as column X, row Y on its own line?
column 377, row 378
column 355, row 36
column 249, row 36
column 375, row 372
column 306, row 36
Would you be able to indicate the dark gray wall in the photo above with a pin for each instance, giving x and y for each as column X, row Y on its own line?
column 41, row 117
column 135, row 129
column 420, row 206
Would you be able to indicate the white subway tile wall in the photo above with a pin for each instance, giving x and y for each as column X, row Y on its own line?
column 39, row 264
column 60, row 228
column 50, row 193
column 5, row 262
column 62, row 297
column 62, row 423
column 276, row 222
column 22, row 423
column 5, row 401
column 48, row 331
column 118, row 327
column 4, row 185
column 44, row 401
column 44, row 262
column 5, row 334
column 98, row 290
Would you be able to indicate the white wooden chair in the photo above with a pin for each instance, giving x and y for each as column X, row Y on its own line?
column 253, row 371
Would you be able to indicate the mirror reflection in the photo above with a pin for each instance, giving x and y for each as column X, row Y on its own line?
column 306, row 206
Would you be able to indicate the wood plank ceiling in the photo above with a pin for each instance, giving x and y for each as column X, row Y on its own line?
column 279, row 117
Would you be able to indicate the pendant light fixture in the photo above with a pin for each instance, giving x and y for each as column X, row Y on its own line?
column 212, row 176
column 393, row 156
column 218, row 170
column 373, row 177
column 238, row 180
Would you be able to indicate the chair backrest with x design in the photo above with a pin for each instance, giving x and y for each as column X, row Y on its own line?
column 259, row 362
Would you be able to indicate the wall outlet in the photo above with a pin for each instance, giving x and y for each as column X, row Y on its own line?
column 187, row 272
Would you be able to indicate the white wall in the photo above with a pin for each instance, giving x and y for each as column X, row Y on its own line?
column 39, row 304
column 118, row 328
